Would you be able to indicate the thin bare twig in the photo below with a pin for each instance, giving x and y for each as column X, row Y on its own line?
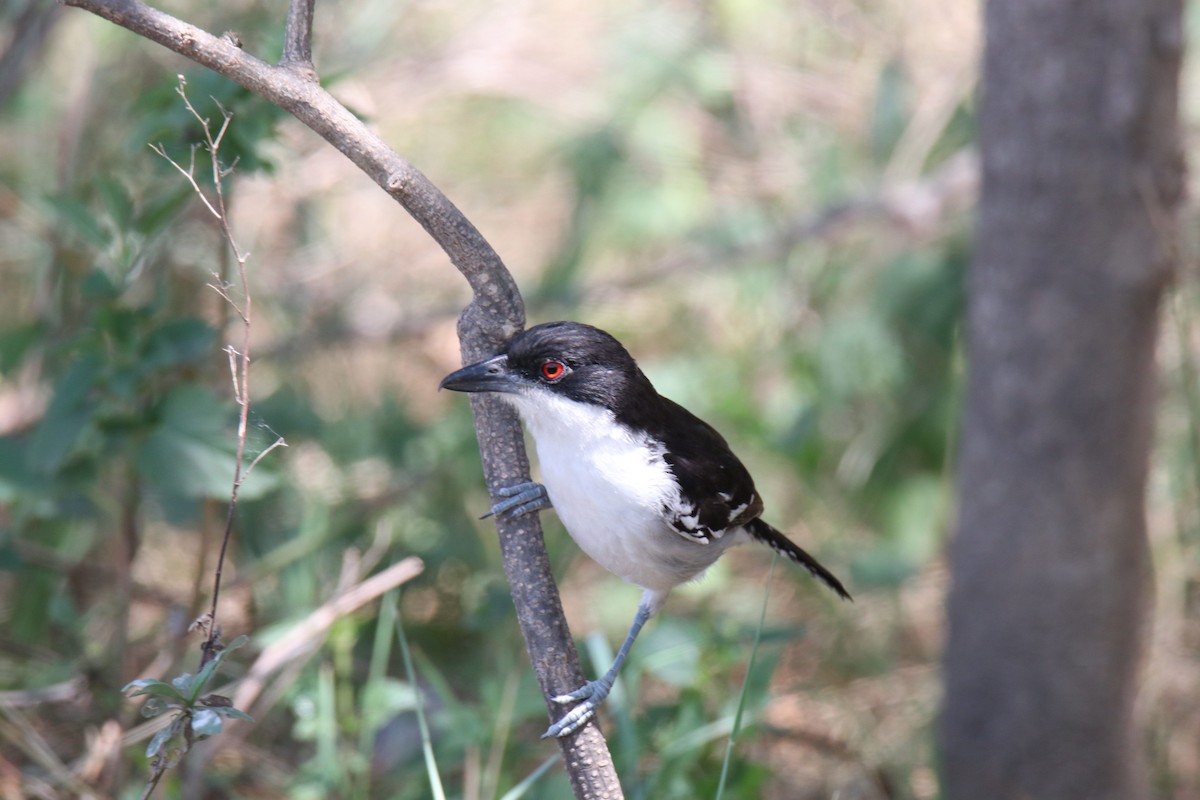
column 189, row 174
column 277, row 443
column 239, row 358
column 240, row 369
column 233, row 368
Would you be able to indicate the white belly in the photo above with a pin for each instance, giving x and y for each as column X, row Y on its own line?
column 609, row 491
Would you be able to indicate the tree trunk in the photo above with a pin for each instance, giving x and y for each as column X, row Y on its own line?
column 1051, row 578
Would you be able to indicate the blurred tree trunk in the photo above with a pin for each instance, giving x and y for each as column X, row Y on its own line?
column 1051, row 577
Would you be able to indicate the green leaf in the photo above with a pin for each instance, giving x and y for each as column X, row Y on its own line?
column 185, row 683
column 117, row 201
column 162, row 737
column 156, row 688
column 178, row 341
column 155, row 706
column 202, row 678
column 78, row 218
column 98, row 285
column 883, row 567
column 190, row 452
column 890, row 116
column 205, row 675
column 17, row 480
column 156, row 214
column 914, row 515
column 67, row 418
column 384, row 699
column 26, row 617
column 671, row 653
column 206, row 722
column 232, row 713
column 15, row 343
column 10, row 557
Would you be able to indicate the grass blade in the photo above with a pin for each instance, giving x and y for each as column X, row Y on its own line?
column 431, row 767
column 741, row 706
column 518, row 791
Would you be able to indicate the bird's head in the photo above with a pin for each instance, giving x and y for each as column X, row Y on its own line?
column 567, row 360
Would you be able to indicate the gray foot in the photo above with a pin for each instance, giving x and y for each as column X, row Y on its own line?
column 519, row 500
column 587, row 698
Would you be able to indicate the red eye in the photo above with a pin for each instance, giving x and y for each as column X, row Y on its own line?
column 553, row 370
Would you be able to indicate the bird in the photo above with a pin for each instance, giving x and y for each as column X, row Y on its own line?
column 648, row 490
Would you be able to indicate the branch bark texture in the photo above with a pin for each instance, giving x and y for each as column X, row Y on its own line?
column 494, row 315
column 1082, row 174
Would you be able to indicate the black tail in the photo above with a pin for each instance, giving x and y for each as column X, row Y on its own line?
column 764, row 533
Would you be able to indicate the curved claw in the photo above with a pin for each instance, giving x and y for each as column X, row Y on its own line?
column 589, row 697
column 520, row 499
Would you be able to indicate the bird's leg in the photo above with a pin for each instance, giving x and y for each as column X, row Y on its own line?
column 520, row 499
column 592, row 694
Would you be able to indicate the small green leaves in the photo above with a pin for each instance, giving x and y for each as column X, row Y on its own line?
column 196, row 717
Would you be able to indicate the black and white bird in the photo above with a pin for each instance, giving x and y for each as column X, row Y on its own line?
column 648, row 490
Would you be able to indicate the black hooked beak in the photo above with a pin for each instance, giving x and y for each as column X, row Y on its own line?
column 491, row 375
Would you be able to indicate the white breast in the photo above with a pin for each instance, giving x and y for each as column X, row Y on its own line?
column 609, row 487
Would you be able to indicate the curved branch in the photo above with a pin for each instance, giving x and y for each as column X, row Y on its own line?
column 494, row 315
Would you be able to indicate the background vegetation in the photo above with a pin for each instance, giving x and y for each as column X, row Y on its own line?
column 768, row 202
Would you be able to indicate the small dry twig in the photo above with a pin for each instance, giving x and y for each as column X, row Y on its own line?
column 239, row 359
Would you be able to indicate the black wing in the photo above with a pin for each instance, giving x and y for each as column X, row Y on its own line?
column 716, row 491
